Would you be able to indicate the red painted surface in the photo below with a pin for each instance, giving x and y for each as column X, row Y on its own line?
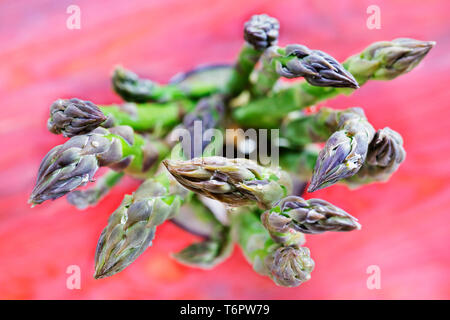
column 405, row 222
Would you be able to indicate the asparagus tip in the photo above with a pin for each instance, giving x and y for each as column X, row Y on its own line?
column 73, row 117
column 261, row 31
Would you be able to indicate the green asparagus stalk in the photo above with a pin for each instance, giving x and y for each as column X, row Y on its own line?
column 301, row 162
column 75, row 162
column 131, row 228
column 384, row 60
column 236, row 182
column 300, row 129
column 317, row 67
column 260, row 32
column 287, row 266
column 207, row 253
column 156, row 117
column 131, row 88
column 217, row 244
column 293, row 215
column 91, row 196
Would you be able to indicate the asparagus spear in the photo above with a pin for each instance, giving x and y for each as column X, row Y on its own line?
column 217, row 244
column 345, row 150
column 131, row 228
column 317, row 67
column 131, row 88
column 74, row 116
column 75, row 162
column 260, row 32
column 235, row 182
column 90, row 197
column 287, row 266
column 158, row 118
column 384, row 60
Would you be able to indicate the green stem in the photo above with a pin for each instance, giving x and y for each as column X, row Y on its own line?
column 145, row 153
column 132, row 88
column 268, row 112
column 266, row 77
column 300, row 162
column 240, row 76
column 305, row 129
column 156, row 117
column 253, row 239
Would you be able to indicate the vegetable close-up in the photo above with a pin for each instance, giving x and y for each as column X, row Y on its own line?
column 258, row 157
column 236, row 182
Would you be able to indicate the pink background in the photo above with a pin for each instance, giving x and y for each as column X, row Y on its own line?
column 405, row 222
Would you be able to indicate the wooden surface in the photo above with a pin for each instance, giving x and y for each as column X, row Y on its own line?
column 405, row 222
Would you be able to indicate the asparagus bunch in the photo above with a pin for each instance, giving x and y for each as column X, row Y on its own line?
column 228, row 200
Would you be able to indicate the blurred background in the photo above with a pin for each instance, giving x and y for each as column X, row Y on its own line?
column 405, row 222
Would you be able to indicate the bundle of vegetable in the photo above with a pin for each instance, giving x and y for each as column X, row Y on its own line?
column 255, row 206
